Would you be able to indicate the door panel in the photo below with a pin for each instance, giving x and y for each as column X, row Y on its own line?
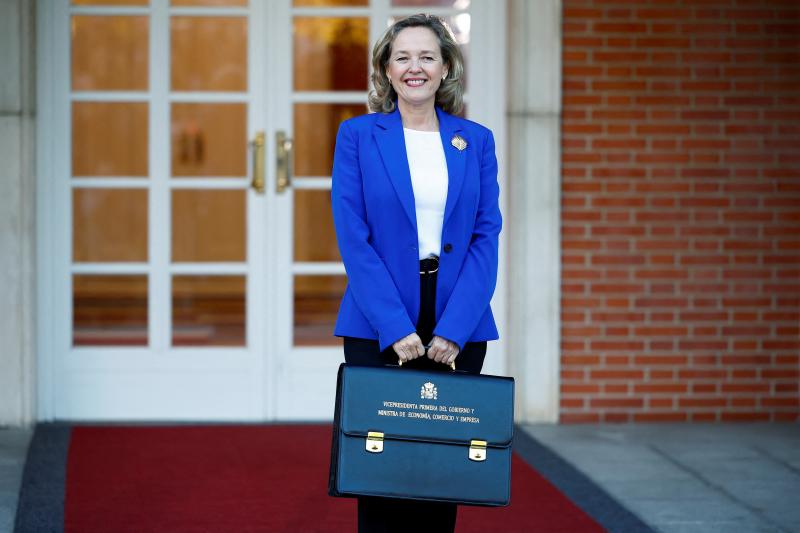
column 209, row 140
column 213, row 3
column 109, row 53
column 315, row 127
column 166, row 236
column 208, row 310
column 109, row 225
column 110, row 139
column 314, row 236
column 110, row 2
column 204, row 64
column 316, row 302
column 109, row 310
column 209, row 225
column 330, row 53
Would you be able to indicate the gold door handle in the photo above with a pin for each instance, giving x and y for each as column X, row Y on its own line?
column 258, row 147
column 284, row 161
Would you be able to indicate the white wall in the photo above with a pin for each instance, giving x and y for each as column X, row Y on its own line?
column 17, row 213
column 534, row 118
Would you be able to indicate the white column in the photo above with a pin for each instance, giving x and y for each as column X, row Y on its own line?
column 17, row 213
column 534, row 112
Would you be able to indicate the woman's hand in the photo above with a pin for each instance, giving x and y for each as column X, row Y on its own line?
column 442, row 350
column 409, row 347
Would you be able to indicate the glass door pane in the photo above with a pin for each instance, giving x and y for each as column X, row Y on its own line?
column 331, row 59
column 208, row 310
column 209, row 225
column 109, row 53
column 109, row 310
column 109, row 225
column 198, row 61
column 209, row 144
column 315, row 127
column 109, row 139
column 331, row 53
column 109, row 143
column 316, row 303
column 209, row 140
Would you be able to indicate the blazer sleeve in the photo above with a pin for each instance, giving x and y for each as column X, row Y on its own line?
column 476, row 282
column 372, row 287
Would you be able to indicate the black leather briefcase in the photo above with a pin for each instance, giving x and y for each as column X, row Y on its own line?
column 423, row 435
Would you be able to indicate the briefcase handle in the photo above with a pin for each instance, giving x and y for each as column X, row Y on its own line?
column 451, row 365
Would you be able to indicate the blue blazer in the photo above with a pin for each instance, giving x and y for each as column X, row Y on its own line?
column 376, row 228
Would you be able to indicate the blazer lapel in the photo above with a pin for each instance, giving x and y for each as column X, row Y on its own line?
column 456, row 159
column 388, row 133
column 389, row 136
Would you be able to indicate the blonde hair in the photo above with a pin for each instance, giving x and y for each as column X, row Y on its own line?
column 449, row 96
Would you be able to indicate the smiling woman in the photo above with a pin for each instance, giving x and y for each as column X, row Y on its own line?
column 426, row 55
column 415, row 207
column 415, row 67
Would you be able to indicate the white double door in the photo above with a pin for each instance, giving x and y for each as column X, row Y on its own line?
column 188, row 268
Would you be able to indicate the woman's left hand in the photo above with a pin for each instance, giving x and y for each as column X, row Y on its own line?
column 442, row 350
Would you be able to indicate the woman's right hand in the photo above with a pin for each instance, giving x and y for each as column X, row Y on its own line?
column 409, row 347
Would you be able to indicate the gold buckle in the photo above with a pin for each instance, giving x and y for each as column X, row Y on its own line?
column 477, row 450
column 374, row 442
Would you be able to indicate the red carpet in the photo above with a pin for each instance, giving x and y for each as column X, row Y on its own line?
column 252, row 478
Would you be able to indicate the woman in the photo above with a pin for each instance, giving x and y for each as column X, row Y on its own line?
column 415, row 205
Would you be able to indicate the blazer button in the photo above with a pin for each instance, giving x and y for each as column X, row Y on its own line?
column 448, row 248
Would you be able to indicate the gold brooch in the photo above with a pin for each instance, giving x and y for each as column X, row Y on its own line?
column 459, row 142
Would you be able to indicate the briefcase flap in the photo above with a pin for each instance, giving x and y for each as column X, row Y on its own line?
column 406, row 404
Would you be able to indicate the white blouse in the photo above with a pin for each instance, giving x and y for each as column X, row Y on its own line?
column 429, row 180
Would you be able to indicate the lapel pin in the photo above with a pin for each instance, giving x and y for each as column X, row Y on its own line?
column 459, row 142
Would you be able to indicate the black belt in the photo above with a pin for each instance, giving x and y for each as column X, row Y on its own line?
column 429, row 265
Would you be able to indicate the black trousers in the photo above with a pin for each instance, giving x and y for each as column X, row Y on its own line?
column 390, row 515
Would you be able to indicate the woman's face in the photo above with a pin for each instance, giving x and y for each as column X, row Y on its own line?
column 415, row 65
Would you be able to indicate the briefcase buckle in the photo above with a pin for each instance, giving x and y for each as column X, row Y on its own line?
column 374, row 442
column 477, row 450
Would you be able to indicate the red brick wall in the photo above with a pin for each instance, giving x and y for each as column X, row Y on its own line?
column 681, row 211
